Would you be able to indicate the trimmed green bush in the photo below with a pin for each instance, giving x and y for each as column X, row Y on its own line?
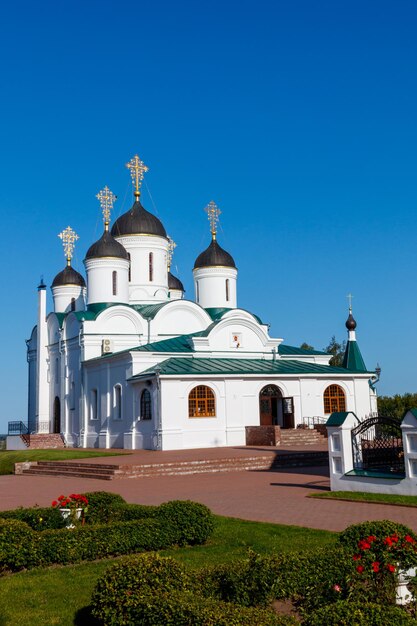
column 17, row 545
column 309, row 578
column 104, row 540
column 190, row 522
column 101, row 505
column 151, row 590
column 185, row 608
column 129, row 512
column 351, row 536
column 131, row 577
column 346, row 613
column 249, row 582
column 38, row 518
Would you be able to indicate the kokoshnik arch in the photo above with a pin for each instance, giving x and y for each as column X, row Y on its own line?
column 124, row 360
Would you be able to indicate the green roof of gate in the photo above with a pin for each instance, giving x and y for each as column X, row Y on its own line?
column 337, row 419
column 183, row 366
column 412, row 410
column 352, row 359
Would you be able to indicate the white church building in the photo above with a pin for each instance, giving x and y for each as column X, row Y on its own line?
column 125, row 361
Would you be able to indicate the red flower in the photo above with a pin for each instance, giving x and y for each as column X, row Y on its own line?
column 375, row 566
column 371, row 538
column 357, row 557
column 54, row 503
column 364, row 545
column 337, row 588
column 390, row 568
column 394, row 538
column 360, row 568
column 409, row 539
column 388, row 541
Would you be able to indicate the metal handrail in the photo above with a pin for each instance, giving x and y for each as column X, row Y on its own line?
column 311, row 420
column 17, row 428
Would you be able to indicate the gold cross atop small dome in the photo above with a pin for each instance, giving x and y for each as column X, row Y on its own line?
column 137, row 221
column 68, row 276
column 214, row 255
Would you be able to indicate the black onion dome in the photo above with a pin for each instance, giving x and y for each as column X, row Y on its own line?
column 350, row 322
column 138, row 221
column 68, row 276
column 174, row 282
column 106, row 246
column 214, row 255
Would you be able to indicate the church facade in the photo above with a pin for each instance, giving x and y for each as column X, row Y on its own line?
column 125, row 361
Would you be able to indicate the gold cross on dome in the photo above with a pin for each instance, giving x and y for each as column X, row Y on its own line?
column 68, row 237
column 171, row 246
column 106, row 199
column 137, row 169
column 213, row 213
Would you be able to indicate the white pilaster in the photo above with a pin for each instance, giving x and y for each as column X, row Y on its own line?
column 42, row 385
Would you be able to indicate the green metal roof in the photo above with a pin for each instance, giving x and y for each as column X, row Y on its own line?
column 175, row 344
column 412, row 410
column 352, row 359
column 182, row 343
column 337, row 419
column 148, row 311
column 284, row 350
column 182, row 366
column 216, row 313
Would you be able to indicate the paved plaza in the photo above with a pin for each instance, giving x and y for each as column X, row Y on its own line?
column 279, row 496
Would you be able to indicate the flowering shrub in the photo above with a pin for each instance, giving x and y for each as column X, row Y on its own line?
column 73, row 501
column 378, row 558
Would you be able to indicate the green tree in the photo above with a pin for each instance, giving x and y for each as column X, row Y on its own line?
column 306, row 346
column 337, row 350
column 397, row 405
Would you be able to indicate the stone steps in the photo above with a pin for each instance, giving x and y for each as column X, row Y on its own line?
column 301, row 437
column 48, row 441
column 181, row 468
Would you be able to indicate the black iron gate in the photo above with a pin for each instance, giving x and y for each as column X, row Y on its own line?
column 377, row 446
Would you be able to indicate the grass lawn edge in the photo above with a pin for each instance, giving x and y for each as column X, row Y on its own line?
column 363, row 500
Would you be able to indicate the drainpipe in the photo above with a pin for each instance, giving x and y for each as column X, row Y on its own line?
column 157, row 371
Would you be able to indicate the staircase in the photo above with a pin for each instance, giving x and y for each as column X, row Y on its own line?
column 301, row 437
column 100, row 471
column 43, row 442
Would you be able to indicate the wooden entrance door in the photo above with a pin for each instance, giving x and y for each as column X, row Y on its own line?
column 270, row 399
column 288, row 412
column 57, row 415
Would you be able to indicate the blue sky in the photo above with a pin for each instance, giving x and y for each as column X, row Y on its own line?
column 298, row 118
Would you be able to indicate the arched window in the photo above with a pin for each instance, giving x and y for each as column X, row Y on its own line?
column 334, row 399
column 150, row 266
column 130, row 267
column 201, row 402
column 146, row 405
column 114, row 278
column 227, row 290
column 117, row 402
column 197, row 290
column 72, row 304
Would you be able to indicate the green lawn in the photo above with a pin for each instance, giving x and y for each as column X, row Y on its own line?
column 53, row 596
column 361, row 496
column 9, row 457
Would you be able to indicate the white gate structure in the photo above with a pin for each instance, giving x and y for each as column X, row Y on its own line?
column 375, row 455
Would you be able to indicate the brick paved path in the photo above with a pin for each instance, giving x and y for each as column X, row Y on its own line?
column 271, row 496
